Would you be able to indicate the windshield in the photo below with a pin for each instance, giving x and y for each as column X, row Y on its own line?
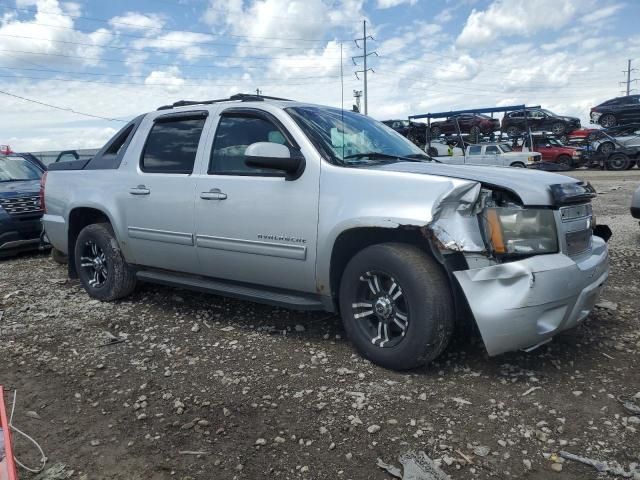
column 347, row 138
column 548, row 112
column 505, row 148
column 14, row 169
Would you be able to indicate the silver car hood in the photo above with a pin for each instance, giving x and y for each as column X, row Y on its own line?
column 533, row 187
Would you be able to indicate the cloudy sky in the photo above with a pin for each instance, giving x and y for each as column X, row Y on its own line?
column 116, row 59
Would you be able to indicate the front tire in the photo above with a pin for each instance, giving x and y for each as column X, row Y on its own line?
column 565, row 160
column 513, row 131
column 606, row 148
column 435, row 132
column 396, row 306
column 102, row 270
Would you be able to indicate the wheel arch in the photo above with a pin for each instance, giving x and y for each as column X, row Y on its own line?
column 351, row 241
column 80, row 217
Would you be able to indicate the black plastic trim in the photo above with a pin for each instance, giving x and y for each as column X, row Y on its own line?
column 73, row 165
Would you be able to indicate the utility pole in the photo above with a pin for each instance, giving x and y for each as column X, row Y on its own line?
column 629, row 80
column 364, row 57
column 357, row 94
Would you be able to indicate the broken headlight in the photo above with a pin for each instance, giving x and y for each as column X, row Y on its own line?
column 520, row 231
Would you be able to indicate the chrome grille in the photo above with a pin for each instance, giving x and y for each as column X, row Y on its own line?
column 577, row 228
column 21, row 205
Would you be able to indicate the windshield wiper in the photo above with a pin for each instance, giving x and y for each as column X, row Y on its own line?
column 414, row 157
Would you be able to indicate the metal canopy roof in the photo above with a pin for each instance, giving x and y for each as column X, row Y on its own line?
column 473, row 110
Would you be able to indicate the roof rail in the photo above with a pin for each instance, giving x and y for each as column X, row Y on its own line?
column 243, row 97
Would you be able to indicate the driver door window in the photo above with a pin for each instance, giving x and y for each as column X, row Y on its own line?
column 492, row 150
column 233, row 135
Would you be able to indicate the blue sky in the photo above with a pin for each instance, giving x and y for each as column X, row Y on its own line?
column 120, row 58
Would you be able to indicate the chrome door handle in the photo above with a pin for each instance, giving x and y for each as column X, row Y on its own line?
column 139, row 190
column 213, row 194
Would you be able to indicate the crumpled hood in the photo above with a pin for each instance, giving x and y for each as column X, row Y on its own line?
column 533, row 187
column 20, row 187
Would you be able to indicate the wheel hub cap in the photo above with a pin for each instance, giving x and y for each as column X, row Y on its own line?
column 384, row 307
column 380, row 309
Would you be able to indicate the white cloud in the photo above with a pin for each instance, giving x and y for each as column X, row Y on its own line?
column 463, row 68
column 50, row 33
column 601, row 14
column 171, row 79
column 134, row 21
column 445, row 15
column 515, row 17
column 187, row 44
column 394, row 3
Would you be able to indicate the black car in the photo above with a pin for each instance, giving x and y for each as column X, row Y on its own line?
column 416, row 132
column 538, row 120
column 617, row 111
column 471, row 123
column 20, row 207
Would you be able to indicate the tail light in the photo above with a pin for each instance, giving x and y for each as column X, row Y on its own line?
column 43, row 182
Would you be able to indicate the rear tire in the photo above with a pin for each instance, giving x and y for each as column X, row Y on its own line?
column 617, row 162
column 435, row 132
column 102, row 270
column 609, row 120
column 558, row 128
column 396, row 306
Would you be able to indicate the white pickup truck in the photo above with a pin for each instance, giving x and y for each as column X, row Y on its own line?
column 495, row 154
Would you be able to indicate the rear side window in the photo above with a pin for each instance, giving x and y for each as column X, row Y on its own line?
column 475, row 150
column 172, row 145
column 233, row 135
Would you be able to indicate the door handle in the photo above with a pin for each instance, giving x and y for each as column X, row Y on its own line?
column 139, row 190
column 213, row 194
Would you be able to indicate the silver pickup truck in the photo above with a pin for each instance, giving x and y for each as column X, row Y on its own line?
column 313, row 207
column 494, row 154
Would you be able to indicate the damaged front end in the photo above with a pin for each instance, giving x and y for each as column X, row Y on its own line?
column 527, row 272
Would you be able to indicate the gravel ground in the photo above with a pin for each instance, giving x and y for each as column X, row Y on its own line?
column 262, row 392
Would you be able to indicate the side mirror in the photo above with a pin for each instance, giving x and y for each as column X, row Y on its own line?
column 548, row 145
column 275, row 156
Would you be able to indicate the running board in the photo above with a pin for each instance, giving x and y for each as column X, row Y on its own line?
column 280, row 298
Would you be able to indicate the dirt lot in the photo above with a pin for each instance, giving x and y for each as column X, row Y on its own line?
column 264, row 392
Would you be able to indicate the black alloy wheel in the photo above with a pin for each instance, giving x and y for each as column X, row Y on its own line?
column 609, row 120
column 396, row 305
column 381, row 305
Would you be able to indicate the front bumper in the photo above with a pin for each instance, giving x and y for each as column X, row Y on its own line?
column 524, row 303
column 18, row 234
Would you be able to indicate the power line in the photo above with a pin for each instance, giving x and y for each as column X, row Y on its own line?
column 135, row 62
column 187, row 43
column 364, row 56
column 64, row 109
column 139, row 27
column 126, row 75
column 103, row 82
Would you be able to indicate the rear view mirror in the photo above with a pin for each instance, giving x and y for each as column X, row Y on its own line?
column 275, row 156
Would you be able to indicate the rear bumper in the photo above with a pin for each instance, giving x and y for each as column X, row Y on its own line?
column 520, row 304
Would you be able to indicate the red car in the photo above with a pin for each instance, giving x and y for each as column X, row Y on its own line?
column 554, row 151
column 473, row 124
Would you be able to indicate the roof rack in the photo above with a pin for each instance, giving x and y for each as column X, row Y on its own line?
column 243, row 97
